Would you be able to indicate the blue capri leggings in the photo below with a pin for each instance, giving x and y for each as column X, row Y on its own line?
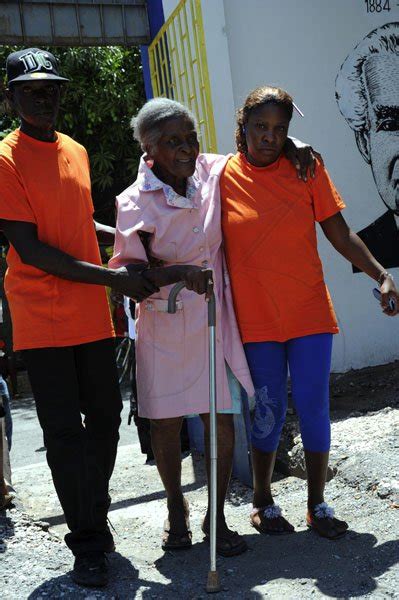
column 309, row 361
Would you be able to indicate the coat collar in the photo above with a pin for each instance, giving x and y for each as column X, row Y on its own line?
column 148, row 182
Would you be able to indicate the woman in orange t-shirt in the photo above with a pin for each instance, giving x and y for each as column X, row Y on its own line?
column 282, row 304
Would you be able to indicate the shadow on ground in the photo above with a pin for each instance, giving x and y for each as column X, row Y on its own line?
column 24, row 407
column 124, row 579
column 6, row 530
column 331, row 566
column 302, row 556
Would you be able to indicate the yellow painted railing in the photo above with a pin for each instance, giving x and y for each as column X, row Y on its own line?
column 179, row 67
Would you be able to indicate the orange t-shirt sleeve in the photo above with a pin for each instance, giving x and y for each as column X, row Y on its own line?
column 14, row 204
column 326, row 198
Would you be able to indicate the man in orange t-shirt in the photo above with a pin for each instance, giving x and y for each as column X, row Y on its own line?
column 283, row 307
column 61, row 321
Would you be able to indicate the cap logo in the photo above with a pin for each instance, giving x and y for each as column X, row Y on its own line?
column 35, row 62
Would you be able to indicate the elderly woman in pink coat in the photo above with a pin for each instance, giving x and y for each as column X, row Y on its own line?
column 171, row 213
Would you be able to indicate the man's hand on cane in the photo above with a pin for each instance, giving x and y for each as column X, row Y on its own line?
column 199, row 281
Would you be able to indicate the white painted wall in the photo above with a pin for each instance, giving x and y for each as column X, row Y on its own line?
column 300, row 46
column 220, row 76
column 168, row 7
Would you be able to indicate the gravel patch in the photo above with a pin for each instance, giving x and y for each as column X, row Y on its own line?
column 34, row 562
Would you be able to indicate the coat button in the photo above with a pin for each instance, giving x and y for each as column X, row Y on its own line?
column 196, row 229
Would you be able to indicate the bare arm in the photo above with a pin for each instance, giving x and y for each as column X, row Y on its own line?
column 134, row 281
column 33, row 252
column 349, row 244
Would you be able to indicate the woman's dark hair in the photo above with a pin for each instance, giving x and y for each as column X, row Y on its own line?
column 259, row 97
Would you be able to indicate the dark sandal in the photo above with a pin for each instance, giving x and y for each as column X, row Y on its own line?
column 172, row 540
column 270, row 513
column 233, row 545
column 324, row 513
column 6, row 501
column 175, row 541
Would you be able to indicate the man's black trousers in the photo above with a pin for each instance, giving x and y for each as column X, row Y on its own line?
column 68, row 383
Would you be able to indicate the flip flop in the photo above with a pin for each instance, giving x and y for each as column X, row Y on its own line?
column 270, row 513
column 323, row 512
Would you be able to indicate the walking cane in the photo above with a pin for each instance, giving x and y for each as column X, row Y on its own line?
column 212, row 584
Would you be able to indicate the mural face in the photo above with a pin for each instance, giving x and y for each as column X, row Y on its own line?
column 367, row 92
column 382, row 84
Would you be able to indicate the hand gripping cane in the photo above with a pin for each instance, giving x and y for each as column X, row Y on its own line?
column 213, row 576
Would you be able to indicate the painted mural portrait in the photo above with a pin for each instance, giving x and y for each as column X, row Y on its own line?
column 367, row 92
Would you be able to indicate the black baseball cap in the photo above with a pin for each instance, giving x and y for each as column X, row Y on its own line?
column 32, row 64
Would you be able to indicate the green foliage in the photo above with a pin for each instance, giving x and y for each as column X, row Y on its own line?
column 105, row 91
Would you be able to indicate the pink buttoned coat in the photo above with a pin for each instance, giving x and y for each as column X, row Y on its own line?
column 172, row 349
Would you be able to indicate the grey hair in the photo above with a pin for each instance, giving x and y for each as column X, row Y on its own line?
column 350, row 87
column 146, row 124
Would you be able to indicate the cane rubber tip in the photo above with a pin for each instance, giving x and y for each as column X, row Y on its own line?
column 213, row 584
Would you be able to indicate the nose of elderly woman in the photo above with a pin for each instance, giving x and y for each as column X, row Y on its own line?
column 187, row 148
